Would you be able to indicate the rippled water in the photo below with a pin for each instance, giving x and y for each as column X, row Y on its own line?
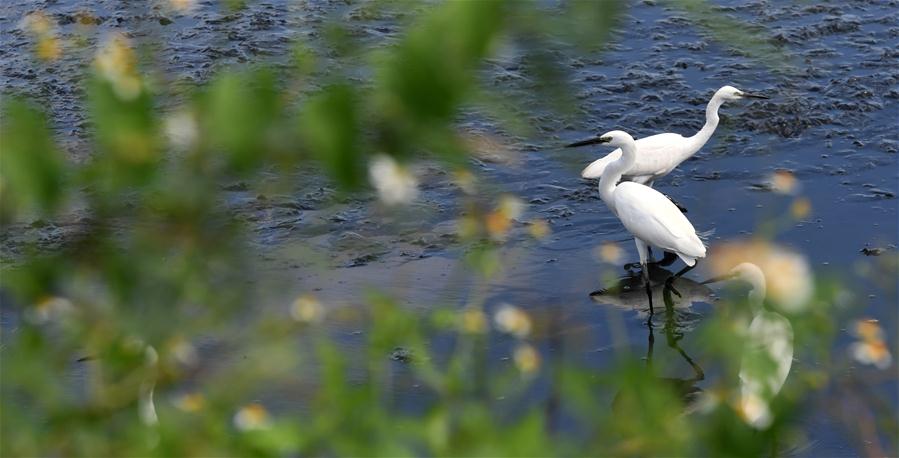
column 831, row 120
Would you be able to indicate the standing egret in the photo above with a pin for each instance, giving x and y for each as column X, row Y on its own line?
column 768, row 350
column 644, row 212
column 658, row 155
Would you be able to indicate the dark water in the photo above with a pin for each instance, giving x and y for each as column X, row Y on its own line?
column 831, row 120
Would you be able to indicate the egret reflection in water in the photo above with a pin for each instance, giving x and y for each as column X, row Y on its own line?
column 686, row 388
column 629, row 293
column 767, row 350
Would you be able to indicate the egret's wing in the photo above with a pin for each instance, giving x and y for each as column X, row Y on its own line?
column 656, row 155
column 597, row 167
column 650, row 216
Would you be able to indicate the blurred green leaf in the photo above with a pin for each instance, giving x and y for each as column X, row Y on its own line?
column 238, row 117
column 329, row 127
column 32, row 176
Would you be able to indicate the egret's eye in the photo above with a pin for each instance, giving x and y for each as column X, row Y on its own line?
column 605, row 139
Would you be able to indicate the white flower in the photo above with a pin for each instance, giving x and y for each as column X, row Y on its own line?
column 252, row 417
column 395, row 183
column 181, row 130
column 307, row 309
column 527, row 359
column 871, row 347
column 513, row 320
column 116, row 62
column 754, row 410
column 49, row 309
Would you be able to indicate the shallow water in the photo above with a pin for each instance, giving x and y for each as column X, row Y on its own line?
column 831, row 120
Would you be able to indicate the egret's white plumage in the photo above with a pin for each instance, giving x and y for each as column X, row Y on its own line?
column 653, row 219
column 645, row 212
column 658, row 155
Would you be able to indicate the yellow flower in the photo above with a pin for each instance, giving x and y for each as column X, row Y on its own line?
column 871, row 348
column 868, row 330
column 252, row 417
column 467, row 226
column 183, row 6
column 784, row 182
column 190, row 402
column 48, row 48
column 43, row 29
column 512, row 320
column 38, row 23
column 500, row 220
column 497, row 225
column 474, row 321
column 465, row 180
column 539, row 229
column 801, row 208
column 609, row 252
column 115, row 61
column 307, row 309
column 527, row 359
column 183, row 351
column 49, row 309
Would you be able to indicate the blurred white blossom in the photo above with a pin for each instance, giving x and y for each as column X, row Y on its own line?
column 394, row 182
column 474, row 321
column 181, row 130
column 183, row 6
column 789, row 278
column 527, row 359
column 307, row 309
column 190, row 402
column 115, row 62
column 512, row 320
column 871, row 348
column 49, row 309
column 252, row 417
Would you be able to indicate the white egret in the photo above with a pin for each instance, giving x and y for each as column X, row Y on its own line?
column 646, row 213
column 658, row 155
column 767, row 350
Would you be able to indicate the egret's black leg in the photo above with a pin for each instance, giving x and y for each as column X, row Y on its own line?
column 668, row 259
column 648, row 293
column 641, row 250
column 669, row 282
column 686, row 269
column 673, row 339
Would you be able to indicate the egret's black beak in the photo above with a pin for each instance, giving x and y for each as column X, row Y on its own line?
column 589, row 141
column 750, row 95
column 721, row 278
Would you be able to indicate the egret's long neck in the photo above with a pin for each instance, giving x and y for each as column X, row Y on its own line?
column 711, row 123
column 613, row 172
column 758, row 291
